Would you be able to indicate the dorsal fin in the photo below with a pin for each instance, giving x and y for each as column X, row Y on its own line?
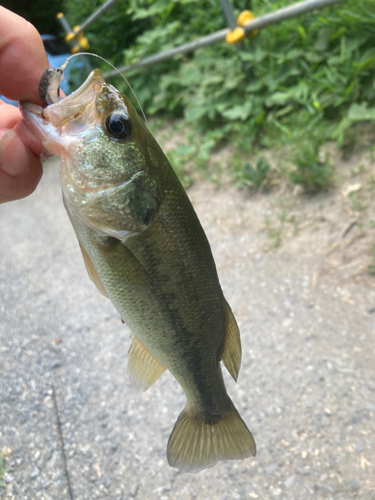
column 92, row 272
column 144, row 369
column 231, row 354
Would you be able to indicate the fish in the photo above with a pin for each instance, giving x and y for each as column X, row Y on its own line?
column 145, row 249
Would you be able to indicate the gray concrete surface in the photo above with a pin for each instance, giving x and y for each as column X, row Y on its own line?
column 71, row 427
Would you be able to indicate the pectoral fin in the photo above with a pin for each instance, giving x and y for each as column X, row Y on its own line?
column 231, row 354
column 144, row 369
column 92, row 272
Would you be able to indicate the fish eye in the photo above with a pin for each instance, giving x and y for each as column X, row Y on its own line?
column 118, row 125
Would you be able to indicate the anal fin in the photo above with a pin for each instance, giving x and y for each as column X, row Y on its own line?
column 92, row 272
column 144, row 369
column 231, row 354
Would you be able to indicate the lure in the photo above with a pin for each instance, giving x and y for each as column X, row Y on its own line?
column 49, row 86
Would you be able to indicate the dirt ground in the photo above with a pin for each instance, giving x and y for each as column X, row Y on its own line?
column 297, row 270
column 337, row 225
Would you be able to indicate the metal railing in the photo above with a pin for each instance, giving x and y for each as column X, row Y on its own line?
column 258, row 23
column 282, row 14
column 92, row 17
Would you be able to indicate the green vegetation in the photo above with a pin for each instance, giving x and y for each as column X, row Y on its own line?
column 371, row 267
column 356, row 205
column 248, row 176
column 311, row 171
column 2, row 472
column 275, row 232
column 299, row 82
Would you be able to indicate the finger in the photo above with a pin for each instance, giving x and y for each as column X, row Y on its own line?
column 13, row 155
column 29, row 139
column 22, row 58
column 9, row 115
column 20, row 169
column 15, row 188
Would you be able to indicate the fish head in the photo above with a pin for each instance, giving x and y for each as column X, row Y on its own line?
column 108, row 157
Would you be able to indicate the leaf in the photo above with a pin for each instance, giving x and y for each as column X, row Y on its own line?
column 338, row 33
column 366, row 63
column 232, row 82
column 278, row 98
column 284, row 111
column 190, row 75
column 205, row 150
column 167, row 81
column 302, row 32
column 293, row 54
column 322, row 41
column 157, row 7
column 194, row 113
column 256, row 55
column 239, row 112
column 359, row 112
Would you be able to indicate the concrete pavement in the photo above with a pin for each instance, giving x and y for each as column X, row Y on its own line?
column 71, row 427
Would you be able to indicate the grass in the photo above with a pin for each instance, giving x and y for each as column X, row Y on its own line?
column 312, row 169
column 358, row 170
column 357, row 206
column 2, row 472
column 257, row 177
column 275, row 232
column 371, row 267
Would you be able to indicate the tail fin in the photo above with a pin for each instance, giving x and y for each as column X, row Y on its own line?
column 195, row 445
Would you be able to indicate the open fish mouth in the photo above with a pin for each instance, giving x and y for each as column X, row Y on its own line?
column 70, row 107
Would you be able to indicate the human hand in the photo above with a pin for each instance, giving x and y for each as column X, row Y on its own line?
column 22, row 62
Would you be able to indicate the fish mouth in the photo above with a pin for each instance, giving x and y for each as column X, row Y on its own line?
column 71, row 107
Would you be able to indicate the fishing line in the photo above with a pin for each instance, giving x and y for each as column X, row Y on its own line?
column 63, row 66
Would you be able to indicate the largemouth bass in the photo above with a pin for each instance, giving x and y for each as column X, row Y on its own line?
column 145, row 249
